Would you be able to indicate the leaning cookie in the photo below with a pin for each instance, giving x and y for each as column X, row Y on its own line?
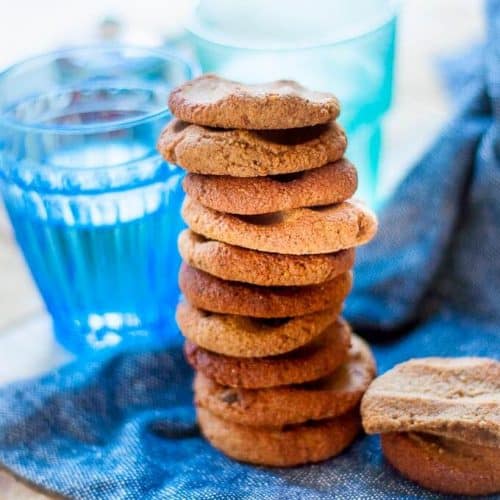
column 229, row 297
column 439, row 396
column 215, row 102
column 294, row 445
column 310, row 362
column 233, row 263
column 301, row 231
column 246, row 153
column 331, row 396
column 332, row 183
column 444, row 465
column 245, row 337
column 439, row 420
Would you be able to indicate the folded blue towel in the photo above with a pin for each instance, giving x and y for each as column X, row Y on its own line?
column 124, row 428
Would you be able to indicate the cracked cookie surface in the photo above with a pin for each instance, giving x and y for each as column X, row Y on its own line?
column 331, row 396
column 216, row 102
column 244, row 337
column 453, row 397
column 332, row 183
column 233, row 263
column 280, row 447
column 315, row 360
column 301, row 231
column 230, row 297
column 247, row 153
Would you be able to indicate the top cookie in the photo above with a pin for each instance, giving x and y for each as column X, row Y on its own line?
column 215, row 102
column 451, row 397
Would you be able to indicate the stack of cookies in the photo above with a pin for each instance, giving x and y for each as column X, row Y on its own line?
column 267, row 266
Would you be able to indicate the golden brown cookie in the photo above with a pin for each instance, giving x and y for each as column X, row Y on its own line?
column 245, row 337
column 332, row 183
column 300, row 231
column 215, row 102
column 454, row 397
column 310, row 362
column 444, row 465
column 230, row 297
column 331, row 396
column 292, row 445
column 234, row 263
column 251, row 153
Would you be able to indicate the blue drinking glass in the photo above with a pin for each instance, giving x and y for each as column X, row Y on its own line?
column 343, row 47
column 94, row 207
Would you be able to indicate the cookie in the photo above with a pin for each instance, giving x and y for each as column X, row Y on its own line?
column 315, row 360
column 334, row 227
column 332, row 183
column 245, row 337
column 444, row 465
column 234, row 263
column 331, row 396
column 293, row 445
column 215, row 102
column 230, row 297
column 454, row 397
column 247, row 153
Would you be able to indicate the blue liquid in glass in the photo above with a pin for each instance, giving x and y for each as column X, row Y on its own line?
column 97, row 218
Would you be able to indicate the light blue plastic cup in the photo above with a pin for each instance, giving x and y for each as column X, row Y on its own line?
column 343, row 47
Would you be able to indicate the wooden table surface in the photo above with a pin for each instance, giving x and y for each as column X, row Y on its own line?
column 420, row 108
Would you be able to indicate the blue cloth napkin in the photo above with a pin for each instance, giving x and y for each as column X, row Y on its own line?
column 124, row 428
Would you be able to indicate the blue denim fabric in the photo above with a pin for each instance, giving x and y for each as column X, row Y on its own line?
column 124, row 428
